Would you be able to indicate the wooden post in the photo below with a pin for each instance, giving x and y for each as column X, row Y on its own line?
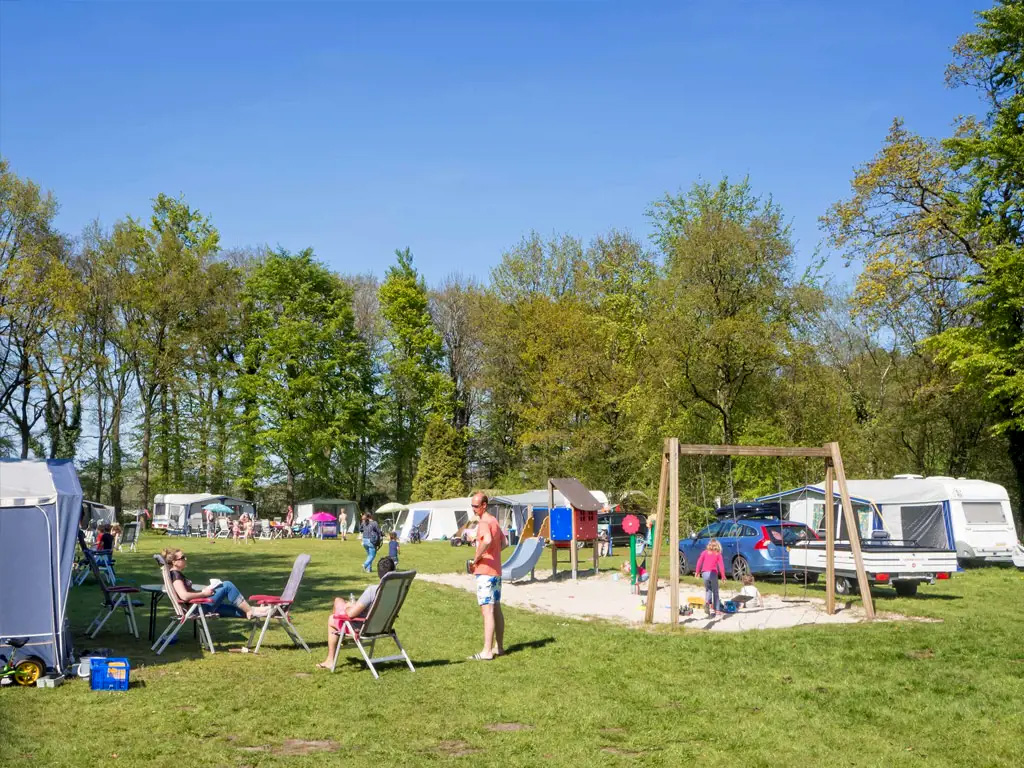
column 659, row 522
column 574, row 555
column 853, row 528
column 673, row 525
column 554, row 549
column 830, row 542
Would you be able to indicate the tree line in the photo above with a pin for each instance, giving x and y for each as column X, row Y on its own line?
column 161, row 361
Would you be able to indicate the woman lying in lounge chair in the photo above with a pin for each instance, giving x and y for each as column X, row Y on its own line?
column 227, row 600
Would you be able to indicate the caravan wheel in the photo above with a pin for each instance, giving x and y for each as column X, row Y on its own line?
column 845, row 586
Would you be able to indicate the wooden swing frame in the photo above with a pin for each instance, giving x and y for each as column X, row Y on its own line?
column 669, row 486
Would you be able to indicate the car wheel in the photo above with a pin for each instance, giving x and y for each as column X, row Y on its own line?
column 683, row 568
column 740, row 568
column 905, row 588
column 845, row 586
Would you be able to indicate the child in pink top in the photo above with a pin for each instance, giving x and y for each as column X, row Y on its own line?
column 711, row 567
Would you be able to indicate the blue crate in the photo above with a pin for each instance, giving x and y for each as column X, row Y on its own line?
column 109, row 674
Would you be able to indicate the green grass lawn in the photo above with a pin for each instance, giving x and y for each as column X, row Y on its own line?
column 581, row 693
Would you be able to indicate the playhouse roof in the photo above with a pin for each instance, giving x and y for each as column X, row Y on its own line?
column 576, row 493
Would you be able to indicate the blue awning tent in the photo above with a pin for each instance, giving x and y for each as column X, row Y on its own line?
column 40, row 507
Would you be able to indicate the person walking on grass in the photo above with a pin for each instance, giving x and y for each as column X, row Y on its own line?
column 211, row 525
column 711, row 567
column 370, row 532
column 343, row 525
column 486, row 566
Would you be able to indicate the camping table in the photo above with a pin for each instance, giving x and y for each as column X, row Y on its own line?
column 156, row 591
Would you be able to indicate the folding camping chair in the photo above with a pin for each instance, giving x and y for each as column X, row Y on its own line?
column 103, row 560
column 264, row 529
column 114, row 596
column 130, row 536
column 223, row 530
column 280, row 607
column 379, row 621
column 195, row 612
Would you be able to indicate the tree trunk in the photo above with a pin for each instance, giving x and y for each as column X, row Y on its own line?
column 165, row 440
column 101, row 426
column 116, row 482
column 1015, row 437
column 176, row 443
column 147, row 439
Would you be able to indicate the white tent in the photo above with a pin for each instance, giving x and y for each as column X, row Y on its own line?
column 435, row 519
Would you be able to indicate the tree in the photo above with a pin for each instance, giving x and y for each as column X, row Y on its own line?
column 304, row 369
column 728, row 303
column 441, row 472
column 415, row 387
column 945, row 220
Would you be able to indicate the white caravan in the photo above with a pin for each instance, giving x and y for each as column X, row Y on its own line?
column 971, row 516
column 182, row 511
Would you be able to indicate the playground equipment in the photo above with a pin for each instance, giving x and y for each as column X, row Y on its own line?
column 574, row 524
column 523, row 560
column 669, row 487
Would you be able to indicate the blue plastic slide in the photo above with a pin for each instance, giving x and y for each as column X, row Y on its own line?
column 523, row 560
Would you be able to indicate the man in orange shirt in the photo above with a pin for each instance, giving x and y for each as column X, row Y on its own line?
column 486, row 566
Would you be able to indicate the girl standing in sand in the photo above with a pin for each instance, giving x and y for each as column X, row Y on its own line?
column 711, row 567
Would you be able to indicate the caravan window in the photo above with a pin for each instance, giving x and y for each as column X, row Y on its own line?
column 984, row 513
column 461, row 518
column 819, row 515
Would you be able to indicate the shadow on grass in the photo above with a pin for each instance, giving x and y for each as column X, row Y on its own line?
column 356, row 661
column 539, row 643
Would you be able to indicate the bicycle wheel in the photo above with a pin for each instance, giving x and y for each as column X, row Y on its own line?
column 27, row 672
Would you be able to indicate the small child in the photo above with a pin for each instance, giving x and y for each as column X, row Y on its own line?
column 393, row 547
column 751, row 592
column 117, row 531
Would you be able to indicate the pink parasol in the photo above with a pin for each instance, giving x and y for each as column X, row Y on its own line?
column 322, row 517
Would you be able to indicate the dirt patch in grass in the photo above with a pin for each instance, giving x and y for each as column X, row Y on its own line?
column 455, row 748
column 503, row 727
column 924, row 653
column 303, row 674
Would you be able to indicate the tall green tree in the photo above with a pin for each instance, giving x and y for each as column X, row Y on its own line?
column 728, row 305
column 441, row 470
column 415, row 386
column 305, row 369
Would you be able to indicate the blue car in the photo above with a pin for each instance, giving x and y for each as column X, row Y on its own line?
column 750, row 545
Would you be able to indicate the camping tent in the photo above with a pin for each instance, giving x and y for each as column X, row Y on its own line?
column 94, row 512
column 180, row 511
column 304, row 509
column 435, row 519
column 40, row 508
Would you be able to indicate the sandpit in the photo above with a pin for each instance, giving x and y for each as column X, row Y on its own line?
column 608, row 596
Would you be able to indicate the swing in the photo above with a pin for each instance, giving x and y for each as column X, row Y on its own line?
column 785, row 585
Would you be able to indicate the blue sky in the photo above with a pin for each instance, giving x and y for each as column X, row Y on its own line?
column 457, row 128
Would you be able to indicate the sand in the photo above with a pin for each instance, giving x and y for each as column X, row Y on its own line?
column 608, row 596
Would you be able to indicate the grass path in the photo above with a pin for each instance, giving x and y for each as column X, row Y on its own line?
column 576, row 693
